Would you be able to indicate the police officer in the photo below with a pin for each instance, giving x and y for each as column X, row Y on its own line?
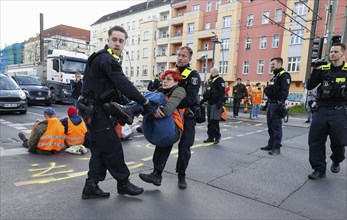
column 214, row 95
column 191, row 83
column 330, row 112
column 277, row 92
column 104, row 73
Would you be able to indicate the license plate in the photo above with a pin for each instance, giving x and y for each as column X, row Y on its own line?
column 10, row 105
column 40, row 98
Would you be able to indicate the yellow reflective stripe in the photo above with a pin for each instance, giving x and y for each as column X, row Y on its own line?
column 186, row 72
column 271, row 82
column 340, row 80
column 215, row 78
column 50, row 137
column 109, row 50
column 51, row 144
column 283, row 71
column 74, row 138
column 326, row 67
column 344, row 67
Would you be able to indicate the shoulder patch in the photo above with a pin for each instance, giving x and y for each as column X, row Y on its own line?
column 288, row 81
column 223, row 84
column 194, row 81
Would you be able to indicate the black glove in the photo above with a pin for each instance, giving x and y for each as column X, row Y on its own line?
column 149, row 107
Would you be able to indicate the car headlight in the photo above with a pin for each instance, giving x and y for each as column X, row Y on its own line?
column 26, row 92
column 22, row 95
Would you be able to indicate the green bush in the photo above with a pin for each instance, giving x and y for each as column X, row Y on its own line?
column 297, row 109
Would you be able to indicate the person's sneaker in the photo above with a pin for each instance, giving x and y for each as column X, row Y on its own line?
column 307, row 121
column 154, row 178
column 275, row 151
column 217, row 140
column 335, row 167
column 22, row 137
column 268, row 148
column 127, row 188
column 91, row 190
column 316, row 174
column 182, row 184
column 209, row 140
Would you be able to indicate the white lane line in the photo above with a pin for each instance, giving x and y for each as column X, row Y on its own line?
column 27, row 131
column 14, row 151
column 30, row 123
column 20, row 128
column 6, row 122
column 33, row 113
column 227, row 138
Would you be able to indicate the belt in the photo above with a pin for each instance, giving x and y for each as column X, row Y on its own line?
column 274, row 101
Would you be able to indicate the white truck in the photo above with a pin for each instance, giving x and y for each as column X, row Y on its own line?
column 57, row 72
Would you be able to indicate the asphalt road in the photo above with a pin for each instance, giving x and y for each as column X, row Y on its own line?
column 231, row 180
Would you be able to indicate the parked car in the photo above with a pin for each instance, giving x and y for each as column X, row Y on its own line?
column 12, row 97
column 34, row 89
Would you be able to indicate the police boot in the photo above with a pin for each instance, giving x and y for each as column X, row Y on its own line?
column 126, row 187
column 182, row 184
column 154, row 177
column 125, row 113
column 91, row 190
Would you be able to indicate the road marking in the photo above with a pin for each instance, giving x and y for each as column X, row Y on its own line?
column 147, row 158
column 12, row 152
column 33, row 113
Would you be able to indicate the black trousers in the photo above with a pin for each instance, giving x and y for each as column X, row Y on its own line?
column 332, row 122
column 274, row 124
column 213, row 129
column 106, row 150
column 162, row 153
column 236, row 106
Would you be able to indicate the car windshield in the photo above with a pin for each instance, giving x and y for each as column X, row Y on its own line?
column 29, row 80
column 72, row 66
column 6, row 83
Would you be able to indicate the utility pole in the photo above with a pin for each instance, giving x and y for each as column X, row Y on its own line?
column 42, row 51
column 215, row 41
column 332, row 11
column 343, row 38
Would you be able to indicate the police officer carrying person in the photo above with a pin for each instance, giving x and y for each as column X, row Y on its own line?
column 277, row 92
column 104, row 81
column 214, row 95
column 330, row 112
column 191, row 83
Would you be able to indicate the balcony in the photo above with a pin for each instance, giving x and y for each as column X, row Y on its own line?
column 163, row 39
column 177, row 20
column 161, row 59
column 172, row 58
column 201, row 52
column 206, row 34
column 163, row 23
column 175, row 40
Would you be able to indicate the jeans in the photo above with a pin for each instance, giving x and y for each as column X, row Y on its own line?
column 255, row 110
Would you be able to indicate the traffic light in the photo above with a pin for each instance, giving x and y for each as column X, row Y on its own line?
column 317, row 48
column 335, row 39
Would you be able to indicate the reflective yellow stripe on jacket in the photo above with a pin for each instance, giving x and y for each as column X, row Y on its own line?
column 53, row 138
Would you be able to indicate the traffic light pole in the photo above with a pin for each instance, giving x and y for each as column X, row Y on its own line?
column 331, row 26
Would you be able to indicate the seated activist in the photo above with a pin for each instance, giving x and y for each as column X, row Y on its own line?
column 47, row 137
column 74, row 128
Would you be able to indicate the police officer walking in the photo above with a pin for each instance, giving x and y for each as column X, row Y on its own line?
column 330, row 112
column 102, row 77
column 191, row 83
column 277, row 92
column 214, row 95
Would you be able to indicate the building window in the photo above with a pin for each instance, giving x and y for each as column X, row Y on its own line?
column 144, row 70
column 299, row 9
column 138, row 54
column 260, row 67
column 128, row 26
column 215, row 24
column 207, row 25
column 265, row 19
column 294, row 39
column 250, row 19
column 225, row 44
column 208, row 6
column 293, row 64
column 262, row 44
column 275, row 41
column 245, row 68
column 178, row 33
column 190, row 28
column 190, row 45
column 196, row 8
column 132, row 55
column 137, row 71
column 278, row 15
column 145, row 53
column 179, row 13
column 163, row 52
column 145, row 35
column 248, row 43
column 226, row 22
column 132, row 40
column 127, row 71
column 223, row 67
column 205, row 46
column 217, row 4
column 131, row 71
column 133, row 25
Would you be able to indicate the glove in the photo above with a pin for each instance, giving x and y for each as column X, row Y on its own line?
column 149, row 108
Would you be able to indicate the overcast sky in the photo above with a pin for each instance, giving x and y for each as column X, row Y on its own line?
column 20, row 20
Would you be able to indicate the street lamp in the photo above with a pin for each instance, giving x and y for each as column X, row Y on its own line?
column 215, row 41
column 204, row 57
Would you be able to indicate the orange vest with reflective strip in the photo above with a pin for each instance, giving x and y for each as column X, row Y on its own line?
column 75, row 134
column 178, row 116
column 118, row 128
column 257, row 97
column 53, row 138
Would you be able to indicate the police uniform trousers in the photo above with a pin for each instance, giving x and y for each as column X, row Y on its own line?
column 106, row 149
column 162, row 153
column 326, row 121
column 274, row 124
column 213, row 129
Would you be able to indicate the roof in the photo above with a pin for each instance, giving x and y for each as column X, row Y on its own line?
column 149, row 4
column 67, row 31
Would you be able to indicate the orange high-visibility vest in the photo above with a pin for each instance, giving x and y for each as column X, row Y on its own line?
column 118, row 128
column 75, row 134
column 53, row 138
column 178, row 116
column 224, row 114
column 257, row 97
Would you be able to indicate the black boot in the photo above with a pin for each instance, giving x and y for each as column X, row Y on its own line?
column 126, row 187
column 91, row 190
column 154, row 178
column 182, row 184
column 125, row 113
